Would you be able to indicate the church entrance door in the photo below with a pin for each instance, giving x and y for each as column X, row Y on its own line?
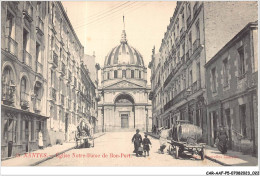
column 124, row 121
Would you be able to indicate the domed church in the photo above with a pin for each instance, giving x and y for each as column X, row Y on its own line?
column 124, row 104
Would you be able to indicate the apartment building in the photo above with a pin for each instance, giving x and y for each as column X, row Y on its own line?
column 42, row 79
column 232, row 91
column 197, row 30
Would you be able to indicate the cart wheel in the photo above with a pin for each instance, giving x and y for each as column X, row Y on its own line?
column 202, row 153
column 177, row 152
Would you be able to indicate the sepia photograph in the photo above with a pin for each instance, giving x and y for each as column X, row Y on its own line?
column 130, row 84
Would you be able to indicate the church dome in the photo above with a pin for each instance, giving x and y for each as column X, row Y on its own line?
column 124, row 54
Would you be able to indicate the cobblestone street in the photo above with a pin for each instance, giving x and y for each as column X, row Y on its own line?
column 118, row 149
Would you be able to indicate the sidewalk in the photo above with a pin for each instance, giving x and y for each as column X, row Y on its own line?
column 39, row 156
column 231, row 158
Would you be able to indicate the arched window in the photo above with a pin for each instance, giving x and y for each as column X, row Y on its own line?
column 115, row 74
column 8, row 86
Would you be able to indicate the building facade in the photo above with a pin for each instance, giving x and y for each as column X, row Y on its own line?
column 232, row 91
column 196, row 31
column 124, row 92
column 42, row 82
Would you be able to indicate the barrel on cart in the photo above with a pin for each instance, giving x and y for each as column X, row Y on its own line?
column 186, row 137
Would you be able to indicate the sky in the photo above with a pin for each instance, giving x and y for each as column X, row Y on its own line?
column 99, row 25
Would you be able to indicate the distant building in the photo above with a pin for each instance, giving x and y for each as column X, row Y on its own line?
column 197, row 30
column 124, row 102
column 232, row 91
column 42, row 82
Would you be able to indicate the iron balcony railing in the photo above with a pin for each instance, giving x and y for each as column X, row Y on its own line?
column 180, row 96
column 11, row 46
column 28, row 11
column 27, row 58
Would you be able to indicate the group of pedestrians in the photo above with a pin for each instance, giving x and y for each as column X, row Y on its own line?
column 141, row 145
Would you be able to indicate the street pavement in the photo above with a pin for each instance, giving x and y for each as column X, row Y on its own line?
column 116, row 149
column 231, row 158
column 38, row 156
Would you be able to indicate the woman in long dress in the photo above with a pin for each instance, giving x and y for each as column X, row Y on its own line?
column 40, row 140
column 137, row 140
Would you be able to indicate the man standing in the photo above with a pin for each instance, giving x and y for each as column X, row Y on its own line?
column 137, row 140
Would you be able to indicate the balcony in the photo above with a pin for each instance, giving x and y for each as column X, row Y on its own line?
column 188, row 21
column 8, row 92
column 53, row 94
column 182, row 32
column 11, row 46
column 28, row 12
column 37, row 105
column 188, row 55
column 27, row 58
column 175, row 99
column 196, row 44
column 39, row 26
column 24, row 100
column 39, row 68
column 54, row 59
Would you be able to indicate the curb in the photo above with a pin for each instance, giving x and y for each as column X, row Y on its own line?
column 52, row 156
column 217, row 161
column 209, row 158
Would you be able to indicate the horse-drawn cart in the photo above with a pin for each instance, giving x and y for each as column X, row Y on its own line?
column 84, row 135
column 186, row 137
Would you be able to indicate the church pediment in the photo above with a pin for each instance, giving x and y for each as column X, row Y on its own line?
column 123, row 84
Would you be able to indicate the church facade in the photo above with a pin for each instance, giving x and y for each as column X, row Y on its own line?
column 124, row 104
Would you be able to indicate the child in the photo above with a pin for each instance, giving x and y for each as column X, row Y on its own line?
column 146, row 143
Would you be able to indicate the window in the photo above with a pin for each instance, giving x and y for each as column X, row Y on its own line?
column 124, row 73
column 242, row 70
column 242, row 109
column 115, row 74
column 26, row 40
column 10, row 31
column 108, row 76
column 23, row 93
column 214, row 80
column 191, row 81
column 182, row 18
column 140, row 74
column 10, row 130
column 225, row 72
column 190, row 41
column 198, row 75
column 198, row 30
column 132, row 73
column 52, row 13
